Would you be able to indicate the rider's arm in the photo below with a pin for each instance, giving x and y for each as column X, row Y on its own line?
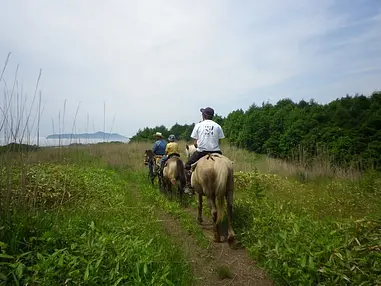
column 195, row 142
column 154, row 147
column 194, row 134
column 221, row 135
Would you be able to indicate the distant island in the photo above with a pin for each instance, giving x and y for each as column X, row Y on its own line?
column 96, row 135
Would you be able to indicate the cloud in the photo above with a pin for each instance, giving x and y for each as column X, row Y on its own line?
column 158, row 62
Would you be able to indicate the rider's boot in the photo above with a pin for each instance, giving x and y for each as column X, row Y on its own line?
column 161, row 170
column 162, row 167
column 188, row 187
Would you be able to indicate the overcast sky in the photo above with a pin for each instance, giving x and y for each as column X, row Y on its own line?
column 157, row 62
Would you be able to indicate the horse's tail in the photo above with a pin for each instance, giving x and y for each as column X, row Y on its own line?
column 222, row 176
column 181, row 172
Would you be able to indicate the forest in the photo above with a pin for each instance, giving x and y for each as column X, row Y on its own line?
column 345, row 131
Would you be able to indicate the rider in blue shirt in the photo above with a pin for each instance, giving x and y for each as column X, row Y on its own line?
column 158, row 148
column 159, row 145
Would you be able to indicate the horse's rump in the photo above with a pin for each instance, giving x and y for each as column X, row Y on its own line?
column 212, row 170
column 214, row 174
column 174, row 170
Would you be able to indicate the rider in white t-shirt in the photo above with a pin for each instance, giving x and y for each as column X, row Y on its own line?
column 206, row 135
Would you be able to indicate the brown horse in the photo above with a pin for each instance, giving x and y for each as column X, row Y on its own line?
column 212, row 176
column 151, row 158
column 174, row 174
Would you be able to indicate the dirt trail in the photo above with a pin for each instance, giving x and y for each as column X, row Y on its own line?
column 243, row 269
column 205, row 262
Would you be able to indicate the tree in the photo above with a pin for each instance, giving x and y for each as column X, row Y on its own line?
column 348, row 128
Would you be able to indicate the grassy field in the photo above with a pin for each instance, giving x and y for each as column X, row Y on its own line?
column 87, row 215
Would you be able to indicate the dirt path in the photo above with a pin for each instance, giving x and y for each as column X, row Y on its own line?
column 242, row 269
column 218, row 265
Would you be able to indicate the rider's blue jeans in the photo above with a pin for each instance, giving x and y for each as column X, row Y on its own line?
column 163, row 159
column 150, row 167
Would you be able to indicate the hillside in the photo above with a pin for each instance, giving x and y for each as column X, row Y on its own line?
column 96, row 135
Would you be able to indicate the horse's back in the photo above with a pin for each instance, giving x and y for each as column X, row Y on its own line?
column 212, row 161
column 213, row 173
column 171, row 164
column 210, row 166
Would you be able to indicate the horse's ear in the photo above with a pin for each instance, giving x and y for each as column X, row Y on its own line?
column 186, row 146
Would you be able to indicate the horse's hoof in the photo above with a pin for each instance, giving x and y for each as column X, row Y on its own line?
column 232, row 242
column 189, row 192
column 217, row 239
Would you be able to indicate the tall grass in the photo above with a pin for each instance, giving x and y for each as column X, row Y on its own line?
column 66, row 218
column 290, row 226
column 81, row 226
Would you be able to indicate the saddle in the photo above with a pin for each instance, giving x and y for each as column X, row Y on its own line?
column 157, row 159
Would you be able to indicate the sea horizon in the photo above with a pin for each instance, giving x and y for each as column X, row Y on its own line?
column 44, row 142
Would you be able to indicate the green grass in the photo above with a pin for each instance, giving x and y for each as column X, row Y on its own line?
column 298, row 248
column 89, row 216
column 174, row 208
column 102, row 237
column 321, row 198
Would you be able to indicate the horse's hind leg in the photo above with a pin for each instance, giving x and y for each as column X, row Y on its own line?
column 153, row 180
column 212, row 204
column 160, row 180
column 229, row 205
column 180, row 191
column 167, row 187
column 199, row 218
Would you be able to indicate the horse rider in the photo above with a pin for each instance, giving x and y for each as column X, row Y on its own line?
column 207, row 135
column 171, row 150
column 158, row 148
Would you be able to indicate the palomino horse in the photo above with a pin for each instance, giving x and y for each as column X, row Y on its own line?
column 174, row 174
column 189, row 150
column 151, row 158
column 212, row 176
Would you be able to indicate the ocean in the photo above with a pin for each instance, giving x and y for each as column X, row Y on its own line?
column 43, row 142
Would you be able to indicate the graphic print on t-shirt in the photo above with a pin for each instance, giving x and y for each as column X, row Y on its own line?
column 208, row 129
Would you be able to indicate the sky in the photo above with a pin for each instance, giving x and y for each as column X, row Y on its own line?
column 153, row 62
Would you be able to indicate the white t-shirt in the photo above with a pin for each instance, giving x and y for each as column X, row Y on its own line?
column 207, row 133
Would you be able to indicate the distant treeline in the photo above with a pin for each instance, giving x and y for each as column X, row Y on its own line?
column 347, row 131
